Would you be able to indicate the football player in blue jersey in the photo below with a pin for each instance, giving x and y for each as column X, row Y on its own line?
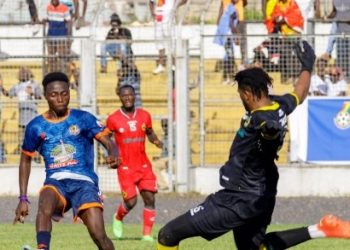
column 65, row 139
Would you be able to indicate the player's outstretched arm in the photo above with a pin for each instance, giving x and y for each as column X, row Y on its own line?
column 24, row 172
column 112, row 157
column 306, row 56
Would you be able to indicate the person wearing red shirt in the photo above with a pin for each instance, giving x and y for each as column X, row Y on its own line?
column 130, row 126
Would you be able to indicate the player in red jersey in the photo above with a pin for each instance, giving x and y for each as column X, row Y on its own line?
column 130, row 126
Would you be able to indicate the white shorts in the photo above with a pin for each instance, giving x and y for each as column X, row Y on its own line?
column 163, row 31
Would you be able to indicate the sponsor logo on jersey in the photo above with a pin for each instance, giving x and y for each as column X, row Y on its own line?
column 74, row 130
column 62, row 156
column 133, row 140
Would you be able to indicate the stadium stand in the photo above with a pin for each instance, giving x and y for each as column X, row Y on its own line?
column 222, row 110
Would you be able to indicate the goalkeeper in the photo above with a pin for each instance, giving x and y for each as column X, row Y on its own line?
column 249, row 177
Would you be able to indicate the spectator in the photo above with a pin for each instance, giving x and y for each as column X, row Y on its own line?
column 57, row 44
column 162, row 13
column 162, row 162
column 267, row 8
column 73, row 71
column 2, row 152
column 336, row 85
column 286, row 19
column 119, row 50
column 129, row 74
column 81, row 18
column 2, row 144
column 73, row 11
column 318, row 84
column 241, row 26
column 266, row 55
column 26, row 90
column 310, row 9
column 33, row 11
column 331, row 41
column 224, row 37
column 341, row 15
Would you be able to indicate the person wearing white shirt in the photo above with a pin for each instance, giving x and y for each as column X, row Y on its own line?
column 310, row 9
column 163, row 12
column 318, row 85
column 336, row 85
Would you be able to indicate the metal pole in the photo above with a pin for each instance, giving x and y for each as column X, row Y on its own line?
column 201, row 89
column 171, row 86
column 87, row 86
column 182, row 115
column 171, row 118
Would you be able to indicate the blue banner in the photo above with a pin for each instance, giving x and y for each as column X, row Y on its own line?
column 328, row 130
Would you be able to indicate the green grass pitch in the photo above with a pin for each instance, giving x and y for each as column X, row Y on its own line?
column 75, row 237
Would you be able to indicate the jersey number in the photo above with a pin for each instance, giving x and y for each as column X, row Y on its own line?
column 132, row 125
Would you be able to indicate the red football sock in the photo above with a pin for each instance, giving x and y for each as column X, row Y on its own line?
column 149, row 216
column 121, row 212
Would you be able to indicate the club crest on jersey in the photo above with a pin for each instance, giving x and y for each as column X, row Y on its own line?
column 74, row 130
column 143, row 127
column 246, row 121
column 124, row 194
column 121, row 130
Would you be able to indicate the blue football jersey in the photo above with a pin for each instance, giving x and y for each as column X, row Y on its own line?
column 67, row 146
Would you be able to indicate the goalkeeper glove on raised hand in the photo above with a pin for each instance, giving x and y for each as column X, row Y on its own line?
column 305, row 54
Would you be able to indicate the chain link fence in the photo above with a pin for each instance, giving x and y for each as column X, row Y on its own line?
column 214, row 108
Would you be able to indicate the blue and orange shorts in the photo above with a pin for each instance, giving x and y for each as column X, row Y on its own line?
column 76, row 194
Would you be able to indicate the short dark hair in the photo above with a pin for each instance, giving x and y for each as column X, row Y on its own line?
column 54, row 76
column 116, row 19
column 125, row 86
column 254, row 79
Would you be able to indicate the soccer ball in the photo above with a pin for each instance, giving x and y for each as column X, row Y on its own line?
column 342, row 120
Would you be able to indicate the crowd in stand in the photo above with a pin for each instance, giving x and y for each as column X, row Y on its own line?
column 286, row 21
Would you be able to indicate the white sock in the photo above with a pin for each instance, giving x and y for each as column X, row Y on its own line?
column 315, row 232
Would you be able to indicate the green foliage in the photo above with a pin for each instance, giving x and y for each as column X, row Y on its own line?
column 251, row 14
column 76, row 237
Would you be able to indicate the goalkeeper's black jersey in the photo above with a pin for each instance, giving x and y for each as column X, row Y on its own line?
column 251, row 165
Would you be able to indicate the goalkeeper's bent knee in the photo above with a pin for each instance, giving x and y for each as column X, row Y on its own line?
column 167, row 238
